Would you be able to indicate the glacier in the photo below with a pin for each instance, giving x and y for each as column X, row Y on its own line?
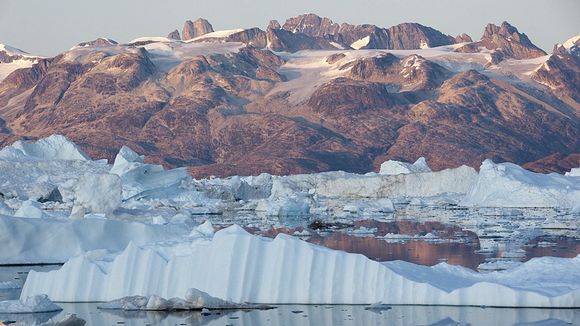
column 237, row 266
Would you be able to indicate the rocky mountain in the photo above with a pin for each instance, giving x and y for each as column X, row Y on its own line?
column 174, row 35
column 504, row 41
column 196, row 28
column 226, row 104
column 561, row 73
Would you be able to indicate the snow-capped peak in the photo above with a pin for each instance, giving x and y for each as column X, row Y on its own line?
column 12, row 50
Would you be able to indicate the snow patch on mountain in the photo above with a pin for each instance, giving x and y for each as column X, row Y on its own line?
column 359, row 44
column 217, row 35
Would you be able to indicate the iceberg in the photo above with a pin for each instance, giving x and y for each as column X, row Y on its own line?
column 392, row 167
column 29, row 209
column 141, row 179
column 55, row 147
column 32, row 241
column 97, row 193
column 509, row 185
column 239, row 267
column 194, row 300
column 574, row 172
column 33, row 304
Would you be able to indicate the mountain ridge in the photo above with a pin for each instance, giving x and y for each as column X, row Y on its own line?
column 223, row 103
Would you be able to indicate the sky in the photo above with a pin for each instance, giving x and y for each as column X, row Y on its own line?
column 48, row 27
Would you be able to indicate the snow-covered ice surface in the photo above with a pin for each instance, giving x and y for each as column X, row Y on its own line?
column 241, row 267
column 163, row 52
column 310, row 68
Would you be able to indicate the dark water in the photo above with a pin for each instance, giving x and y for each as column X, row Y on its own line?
column 316, row 315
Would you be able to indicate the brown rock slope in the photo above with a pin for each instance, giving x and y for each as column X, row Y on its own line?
column 234, row 112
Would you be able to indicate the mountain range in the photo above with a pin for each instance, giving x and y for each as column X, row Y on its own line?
column 308, row 95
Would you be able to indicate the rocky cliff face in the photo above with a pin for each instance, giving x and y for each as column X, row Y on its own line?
column 561, row 73
column 400, row 37
column 195, row 29
column 230, row 106
column 505, row 41
column 174, row 35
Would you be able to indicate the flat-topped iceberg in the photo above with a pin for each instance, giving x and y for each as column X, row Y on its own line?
column 237, row 266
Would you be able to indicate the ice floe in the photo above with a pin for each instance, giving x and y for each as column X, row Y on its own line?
column 193, row 300
column 33, row 304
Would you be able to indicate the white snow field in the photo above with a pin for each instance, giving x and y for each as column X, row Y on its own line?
column 237, row 266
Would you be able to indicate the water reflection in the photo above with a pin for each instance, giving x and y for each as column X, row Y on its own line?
column 320, row 315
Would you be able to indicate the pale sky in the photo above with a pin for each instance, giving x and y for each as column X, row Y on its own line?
column 48, row 27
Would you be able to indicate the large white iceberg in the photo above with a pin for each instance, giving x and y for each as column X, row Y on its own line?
column 509, row 185
column 240, row 267
column 450, row 181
